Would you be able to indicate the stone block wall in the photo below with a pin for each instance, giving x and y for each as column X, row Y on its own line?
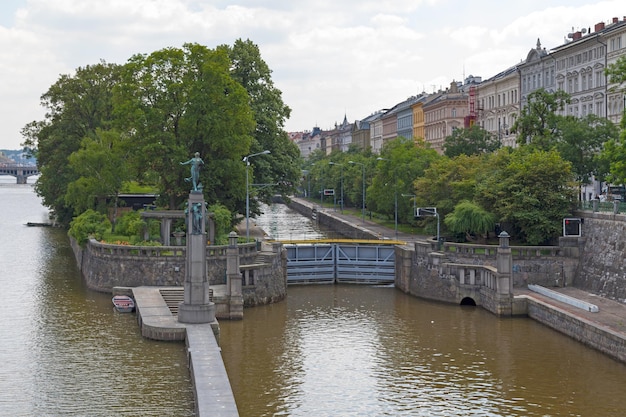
column 603, row 258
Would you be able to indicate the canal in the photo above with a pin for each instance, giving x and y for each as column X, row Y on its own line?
column 374, row 351
column 324, row 351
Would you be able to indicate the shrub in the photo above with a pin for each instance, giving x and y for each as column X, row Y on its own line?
column 89, row 224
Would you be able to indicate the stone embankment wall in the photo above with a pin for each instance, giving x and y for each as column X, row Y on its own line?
column 105, row 266
column 603, row 259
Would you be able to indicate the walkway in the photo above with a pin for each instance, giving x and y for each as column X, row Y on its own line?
column 212, row 390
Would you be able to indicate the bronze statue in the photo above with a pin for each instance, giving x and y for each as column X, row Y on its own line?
column 195, row 163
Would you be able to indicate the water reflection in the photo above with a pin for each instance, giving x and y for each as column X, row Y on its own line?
column 64, row 350
column 364, row 351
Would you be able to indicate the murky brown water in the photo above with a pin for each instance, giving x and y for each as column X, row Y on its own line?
column 374, row 351
column 64, row 350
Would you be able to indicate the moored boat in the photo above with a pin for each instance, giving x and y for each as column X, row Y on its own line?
column 123, row 303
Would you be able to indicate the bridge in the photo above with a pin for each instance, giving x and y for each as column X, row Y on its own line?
column 21, row 172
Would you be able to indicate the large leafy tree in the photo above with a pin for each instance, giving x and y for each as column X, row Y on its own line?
column 101, row 165
column 471, row 141
column 538, row 123
column 448, row 181
column 530, row 191
column 76, row 106
column 175, row 102
column 580, row 142
column 614, row 153
column 402, row 161
column 282, row 166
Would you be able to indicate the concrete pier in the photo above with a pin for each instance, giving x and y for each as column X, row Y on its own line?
column 212, row 391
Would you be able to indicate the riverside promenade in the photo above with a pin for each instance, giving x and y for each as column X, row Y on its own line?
column 609, row 322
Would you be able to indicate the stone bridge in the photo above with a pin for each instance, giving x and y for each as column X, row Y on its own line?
column 21, row 172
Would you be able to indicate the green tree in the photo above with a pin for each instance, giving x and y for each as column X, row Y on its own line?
column 470, row 219
column 175, row 102
column 101, row 165
column 448, row 181
column 402, row 161
column 471, row 141
column 538, row 122
column 581, row 141
column 530, row 191
column 282, row 166
column 76, row 105
column 89, row 224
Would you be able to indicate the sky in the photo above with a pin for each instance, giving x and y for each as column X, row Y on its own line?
column 329, row 58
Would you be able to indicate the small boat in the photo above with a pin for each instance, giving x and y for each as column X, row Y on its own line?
column 123, row 303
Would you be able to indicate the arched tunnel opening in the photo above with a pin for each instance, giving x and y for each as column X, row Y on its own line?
column 468, row 301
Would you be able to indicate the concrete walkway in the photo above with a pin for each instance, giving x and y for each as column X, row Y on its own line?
column 213, row 393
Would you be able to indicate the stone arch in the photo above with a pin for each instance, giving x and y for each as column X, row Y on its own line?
column 468, row 301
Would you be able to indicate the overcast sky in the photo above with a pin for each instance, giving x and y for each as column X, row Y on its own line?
column 329, row 58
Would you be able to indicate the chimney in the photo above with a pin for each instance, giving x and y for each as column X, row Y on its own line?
column 598, row 27
column 577, row 35
column 615, row 20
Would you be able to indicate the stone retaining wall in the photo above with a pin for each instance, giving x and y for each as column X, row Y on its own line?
column 105, row 266
column 603, row 259
column 603, row 339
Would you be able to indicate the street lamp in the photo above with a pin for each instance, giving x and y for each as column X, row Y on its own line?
column 341, row 179
column 363, row 191
column 395, row 197
column 247, row 161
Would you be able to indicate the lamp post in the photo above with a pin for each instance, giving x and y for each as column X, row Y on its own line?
column 395, row 197
column 247, row 161
column 341, row 179
column 363, row 191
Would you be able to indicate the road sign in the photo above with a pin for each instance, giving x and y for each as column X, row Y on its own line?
column 572, row 226
column 329, row 191
column 425, row 211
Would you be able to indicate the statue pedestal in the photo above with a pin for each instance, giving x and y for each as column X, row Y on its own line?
column 197, row 306
column 196, row 313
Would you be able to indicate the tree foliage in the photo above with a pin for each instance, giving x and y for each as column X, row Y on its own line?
column 281, row 167
column 87, row 225
column 470, row 219
column 470, row 141
column 529, row 190
column 538, row 122
column 76, row 105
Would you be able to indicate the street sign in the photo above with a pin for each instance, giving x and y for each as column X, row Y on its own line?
column 425, row 211
column 571, row 226
column 329, row 191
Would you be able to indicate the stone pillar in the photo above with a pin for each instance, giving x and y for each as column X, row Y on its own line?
column 197, row 306
column 233, row 279
column 504, row 263
column 166, row 231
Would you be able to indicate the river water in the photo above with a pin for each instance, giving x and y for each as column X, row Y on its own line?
column 64, row 350
column 350, row 350
column 324, row 351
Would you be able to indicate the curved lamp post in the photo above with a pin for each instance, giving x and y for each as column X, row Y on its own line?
column 247, row 161
column 363, row 191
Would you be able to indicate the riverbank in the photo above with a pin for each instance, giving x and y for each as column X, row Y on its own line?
column 604, row 330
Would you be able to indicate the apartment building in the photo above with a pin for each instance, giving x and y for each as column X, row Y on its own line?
column 498, row 104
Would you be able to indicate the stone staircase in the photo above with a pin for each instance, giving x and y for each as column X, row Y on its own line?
column 172, row 297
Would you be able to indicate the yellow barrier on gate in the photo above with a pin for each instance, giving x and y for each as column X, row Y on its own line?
column 348, row 241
